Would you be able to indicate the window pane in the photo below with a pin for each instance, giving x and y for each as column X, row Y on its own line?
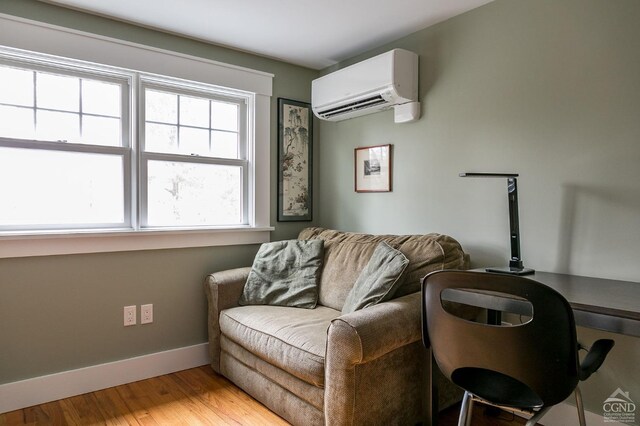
column 161, row 107
column 58, row 92
column 57, row 126
column 224, row 116
column 183, row 194
column 16, row 86
column 101, row 131
column 194, row 111
column 100, row 98
column 194, row 141
column 52, row 187
column 16, row 122
column 161, row 138
column 224, row 144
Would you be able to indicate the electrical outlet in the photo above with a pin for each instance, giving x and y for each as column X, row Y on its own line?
column 129, row 315
column 146, row 314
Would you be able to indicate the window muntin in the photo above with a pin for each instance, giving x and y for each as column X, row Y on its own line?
column 194, row 170
column 188, row 124
column 193, row 136
column 56, row 105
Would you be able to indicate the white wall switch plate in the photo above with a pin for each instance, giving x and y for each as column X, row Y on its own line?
column 146, row 314
column 129, row 315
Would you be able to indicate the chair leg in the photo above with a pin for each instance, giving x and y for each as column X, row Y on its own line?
column 465, row 410
column 537, row 416
column 580, row 407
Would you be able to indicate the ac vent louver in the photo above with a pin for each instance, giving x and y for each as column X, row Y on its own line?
column 353, row 106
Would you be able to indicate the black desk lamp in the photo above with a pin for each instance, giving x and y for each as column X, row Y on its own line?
column 515, row 263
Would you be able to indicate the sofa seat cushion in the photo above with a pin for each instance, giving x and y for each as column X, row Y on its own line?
column 292, row 339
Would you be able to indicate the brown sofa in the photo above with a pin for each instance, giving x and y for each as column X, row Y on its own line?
column 317, row 366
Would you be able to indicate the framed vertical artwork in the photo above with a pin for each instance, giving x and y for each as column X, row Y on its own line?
column 373, row 168
column 295, row 159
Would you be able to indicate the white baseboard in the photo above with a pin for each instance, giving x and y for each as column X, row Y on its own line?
column 38, row 390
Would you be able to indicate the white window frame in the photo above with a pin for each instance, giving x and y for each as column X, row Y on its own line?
column 40, row 63
column 245, row 162
column 81, row 48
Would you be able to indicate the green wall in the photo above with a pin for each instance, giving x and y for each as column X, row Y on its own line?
column 64, row 312
column 549, row 89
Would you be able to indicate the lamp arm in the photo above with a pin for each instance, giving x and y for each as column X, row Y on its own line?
column 516, row 266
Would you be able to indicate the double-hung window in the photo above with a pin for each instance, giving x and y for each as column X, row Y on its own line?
column 99, row 148
column 65, row 151
column 193, row 166
column 108, row 145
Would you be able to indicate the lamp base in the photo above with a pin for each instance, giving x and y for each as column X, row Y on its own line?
column 510, row 270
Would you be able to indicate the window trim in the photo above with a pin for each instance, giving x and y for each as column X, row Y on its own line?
column 79, row 47
column 245, row 162
column 81, row 242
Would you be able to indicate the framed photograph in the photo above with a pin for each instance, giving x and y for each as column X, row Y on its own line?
column 373, row 168
column 295, row 159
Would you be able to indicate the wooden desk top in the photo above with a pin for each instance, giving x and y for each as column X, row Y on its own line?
column 611, row 297
column 598, row 303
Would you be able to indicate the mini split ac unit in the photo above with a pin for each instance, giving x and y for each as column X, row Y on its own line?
column 376, row 84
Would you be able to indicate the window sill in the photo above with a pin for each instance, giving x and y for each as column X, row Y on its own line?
column 77, row 242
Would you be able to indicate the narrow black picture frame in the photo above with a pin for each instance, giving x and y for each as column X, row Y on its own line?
column 295, row 161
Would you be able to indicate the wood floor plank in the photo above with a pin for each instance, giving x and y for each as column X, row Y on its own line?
column 237, row 408
column 228, row 398
column 213, row 392
column 199, row 412
column 162, row 407
column 80, row 409
column 14, row 418
column 113, row 408
column 139, row 405
column 197, row 396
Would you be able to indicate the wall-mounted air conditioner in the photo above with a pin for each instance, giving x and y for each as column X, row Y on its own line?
column 376, row 84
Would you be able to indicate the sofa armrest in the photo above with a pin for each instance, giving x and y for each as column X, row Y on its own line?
column 375, row 331
column 370, row 347
column 223, row 290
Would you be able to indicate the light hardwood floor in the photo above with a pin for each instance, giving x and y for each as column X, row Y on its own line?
column 192, row 397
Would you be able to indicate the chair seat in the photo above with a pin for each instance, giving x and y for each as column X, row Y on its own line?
column 292, row 339
column 496, row 388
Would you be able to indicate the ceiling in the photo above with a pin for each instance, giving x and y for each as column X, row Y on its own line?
column 311, row 33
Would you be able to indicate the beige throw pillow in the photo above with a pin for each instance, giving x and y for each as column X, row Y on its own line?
column 379, row 279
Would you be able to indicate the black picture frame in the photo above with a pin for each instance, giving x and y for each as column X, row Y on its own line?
column 295, row 161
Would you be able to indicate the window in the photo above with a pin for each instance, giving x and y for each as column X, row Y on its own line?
column 194, row 157
column 70, row 157
column 64, row 152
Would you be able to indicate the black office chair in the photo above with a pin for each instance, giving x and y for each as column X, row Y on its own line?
column 525, row 368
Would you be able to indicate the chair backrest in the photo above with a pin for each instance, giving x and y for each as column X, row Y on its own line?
column 526, row 365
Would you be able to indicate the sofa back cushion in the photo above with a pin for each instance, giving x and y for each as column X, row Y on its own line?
column 347, row 253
